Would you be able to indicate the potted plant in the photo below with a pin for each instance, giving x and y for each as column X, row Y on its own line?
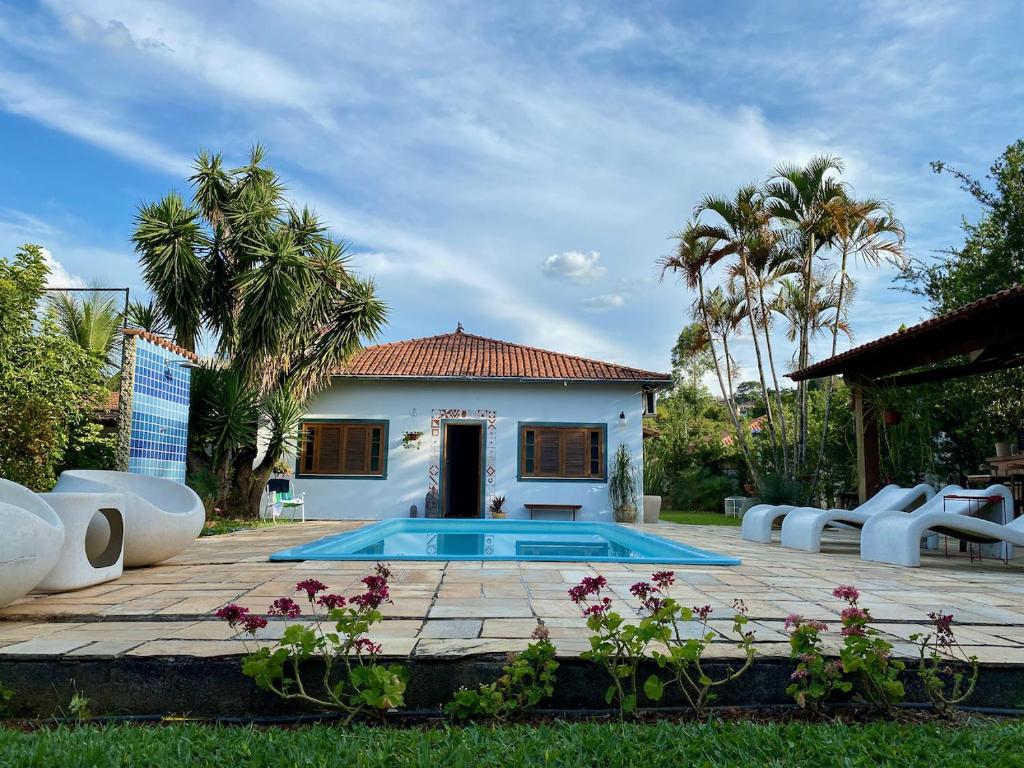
column 891, row 417
column 411, row 439
column 654, row 483
column 497, row 507
column 622, row 482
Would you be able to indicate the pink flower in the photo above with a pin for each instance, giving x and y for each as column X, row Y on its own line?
column 372, row 599
column 664, row 578
column 943, row 628
column 364, row 644
column 252, row 622
column 383, row 571
column 798, row 674
column 310, row 587
column 854, row 614
column 284, row 606
column 331, row 601
column 703, row 612
column 232, row 613
column 854, row 631
column 375, row 583
column 793, row 621
column 598, row 609
column 577, row 594
column 846, row 592
column 654, row 604
column 817, row 626
column 641, row 590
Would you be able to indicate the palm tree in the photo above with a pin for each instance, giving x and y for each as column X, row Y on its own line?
column 273, row 291
column 818, row 316
column 866, row 230
column 743, row 217
column 148, row 317
column 93, row 321
column 800, row 196
column 696, row 253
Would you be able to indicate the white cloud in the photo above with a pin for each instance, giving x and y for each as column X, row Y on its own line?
column 574, row 266
column 603, row 302
column 60, row 277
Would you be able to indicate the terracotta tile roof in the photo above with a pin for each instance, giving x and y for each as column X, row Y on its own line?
column 463, row 355
column 160, row 341
column 907, row 344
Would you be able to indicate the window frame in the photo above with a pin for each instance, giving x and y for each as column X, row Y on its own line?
column 384, row 425
column 521, row 430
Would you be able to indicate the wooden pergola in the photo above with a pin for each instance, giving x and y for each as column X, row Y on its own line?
column 981, row 337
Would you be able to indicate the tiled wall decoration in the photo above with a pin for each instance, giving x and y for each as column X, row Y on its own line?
column 158, row 396
column 490, row 436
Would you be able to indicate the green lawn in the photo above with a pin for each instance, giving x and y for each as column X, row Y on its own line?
column 978, row 745
column 698, row 518
column 215, row 526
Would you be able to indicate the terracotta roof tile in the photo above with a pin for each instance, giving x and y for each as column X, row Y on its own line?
column 466, row 356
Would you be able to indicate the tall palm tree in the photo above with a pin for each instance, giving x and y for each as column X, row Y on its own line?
column 93, row 321
column 148, row 317
column 800, row 196
column 865, row 230
column 271, row 288
column 695, row 253
column 743, row 217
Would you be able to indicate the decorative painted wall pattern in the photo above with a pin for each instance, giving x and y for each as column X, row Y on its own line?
column 159, row 412
column 490, row 437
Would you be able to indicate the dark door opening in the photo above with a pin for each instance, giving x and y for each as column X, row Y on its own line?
column 462, row 470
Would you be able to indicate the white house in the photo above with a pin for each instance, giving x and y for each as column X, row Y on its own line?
column 447, row 423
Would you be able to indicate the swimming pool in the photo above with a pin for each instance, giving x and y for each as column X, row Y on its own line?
column 533, row 540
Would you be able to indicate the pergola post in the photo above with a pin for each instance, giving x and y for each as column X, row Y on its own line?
column 869, row 475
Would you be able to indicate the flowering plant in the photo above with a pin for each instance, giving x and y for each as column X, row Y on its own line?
column 866, row 655
column 529, row 679
column 684, row 657
column 946, row 684
column 815, row 678
column 617, row 646
column 352, row 680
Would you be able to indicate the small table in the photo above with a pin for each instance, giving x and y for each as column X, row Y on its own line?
column 1001, row 549
column 570, row 508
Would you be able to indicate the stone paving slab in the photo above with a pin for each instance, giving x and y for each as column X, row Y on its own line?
column 471, row 607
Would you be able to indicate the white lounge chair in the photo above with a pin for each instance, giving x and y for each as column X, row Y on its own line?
column 758, row 521
column 161, row 517
column 93, row 550
column 30, row 543
column 802, row 527
column 894, row 537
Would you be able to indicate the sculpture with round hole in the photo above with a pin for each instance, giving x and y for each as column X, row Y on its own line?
column 32, row 538
column 93, row 549
column 161, row 517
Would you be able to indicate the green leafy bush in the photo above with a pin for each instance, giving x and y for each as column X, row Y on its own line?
column 699, row 489
column 815, row 678
column 867, row 656
column 529, row 679
column 352, row 681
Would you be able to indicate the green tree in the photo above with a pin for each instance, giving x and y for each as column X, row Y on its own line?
column 273, row 293
column 93, row 321
column 49, row 384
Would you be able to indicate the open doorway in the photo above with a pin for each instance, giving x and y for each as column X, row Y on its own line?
column 461, row 483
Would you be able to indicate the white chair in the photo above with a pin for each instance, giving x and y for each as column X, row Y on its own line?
column 895, row 537
column 280, row 496
column 161, row 517
column 758, row 521
column 93, row 550
column 802, row 527
column 31, row 541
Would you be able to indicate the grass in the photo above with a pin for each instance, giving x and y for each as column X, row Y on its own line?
column 977, row 744
column 215, row 526
column 698, row 518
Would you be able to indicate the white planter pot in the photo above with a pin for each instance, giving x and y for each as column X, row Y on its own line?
column 1002, row 450
column 652, row 508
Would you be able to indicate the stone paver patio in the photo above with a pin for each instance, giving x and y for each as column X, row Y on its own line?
column 445, row 609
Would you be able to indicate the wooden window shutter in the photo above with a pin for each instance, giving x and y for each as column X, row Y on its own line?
column 356, row 444
column 575, row 442
column 548, row 451
column 328, row 458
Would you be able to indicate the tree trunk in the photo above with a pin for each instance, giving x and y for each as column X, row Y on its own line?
column 804, row 354
column 757, row 352
column 726, row 393
column 775, row 381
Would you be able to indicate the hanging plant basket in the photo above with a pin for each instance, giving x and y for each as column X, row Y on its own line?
column 411, row 439
column 891, row 417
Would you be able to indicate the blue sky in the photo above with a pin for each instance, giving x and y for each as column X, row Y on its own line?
column 517, row 167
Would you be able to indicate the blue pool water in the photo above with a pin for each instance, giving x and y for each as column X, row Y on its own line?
column 536, row 540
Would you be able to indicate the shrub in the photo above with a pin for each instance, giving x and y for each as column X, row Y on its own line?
column 529, row 679
column 815, row 678
column 352, row 681
column 941, row 665
column 699, row 489
column 866, row 655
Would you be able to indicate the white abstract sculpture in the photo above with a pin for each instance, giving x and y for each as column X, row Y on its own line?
column 161, row 517
column 93, row 550
column 30, row 542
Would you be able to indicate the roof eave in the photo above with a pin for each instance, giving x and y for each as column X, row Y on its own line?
column 646, row 381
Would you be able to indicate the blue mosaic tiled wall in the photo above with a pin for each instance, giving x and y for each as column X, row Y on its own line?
column 159, row 431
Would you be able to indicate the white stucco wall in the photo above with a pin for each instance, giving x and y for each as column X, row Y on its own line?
column 408, row 407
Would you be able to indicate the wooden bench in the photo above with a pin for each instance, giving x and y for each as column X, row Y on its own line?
column 570, row 508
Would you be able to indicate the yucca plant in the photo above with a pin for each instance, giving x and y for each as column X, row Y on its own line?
column 622, row 484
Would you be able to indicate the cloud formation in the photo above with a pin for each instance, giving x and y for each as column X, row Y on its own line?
column 574, row 266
